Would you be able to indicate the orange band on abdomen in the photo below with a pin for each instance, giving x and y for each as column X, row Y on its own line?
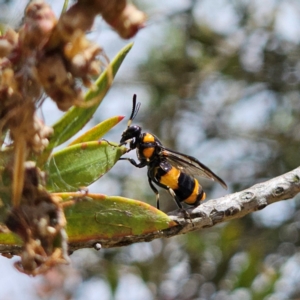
column 170, row 179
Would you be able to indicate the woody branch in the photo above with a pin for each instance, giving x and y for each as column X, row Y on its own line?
column 212, row 212
column 219, row 210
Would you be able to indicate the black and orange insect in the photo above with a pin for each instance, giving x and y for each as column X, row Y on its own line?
column 168, row 169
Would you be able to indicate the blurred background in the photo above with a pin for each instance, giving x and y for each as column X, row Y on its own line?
column 218, row 80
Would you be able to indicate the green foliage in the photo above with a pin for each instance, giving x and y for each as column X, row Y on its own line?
column 105, row 218
column 99, row 217
column 81, row 165
column 97, row 131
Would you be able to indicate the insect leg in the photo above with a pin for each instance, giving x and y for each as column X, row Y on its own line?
column 155, row 191
column 109, row 143
column 132, row 144
column 175, row 198
column 133, row 162
column 186, row 214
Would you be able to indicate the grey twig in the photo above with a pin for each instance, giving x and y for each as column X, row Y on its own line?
column 212, row 212
column 219, row 210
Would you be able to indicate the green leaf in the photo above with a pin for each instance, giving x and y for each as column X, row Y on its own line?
column 98, row 131
column 80, row 165
column 9, row 238
column 76, row 117
column 101, row 217
column 109, row 217
column 65, row 6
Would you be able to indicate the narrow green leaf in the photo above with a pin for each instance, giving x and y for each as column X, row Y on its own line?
column 9, row 238
column 65, row 6
column 109, row 217
column 80, row 165
column 77, row 117
column 98, row 131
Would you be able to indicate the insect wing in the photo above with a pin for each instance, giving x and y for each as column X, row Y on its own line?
column 190, row 165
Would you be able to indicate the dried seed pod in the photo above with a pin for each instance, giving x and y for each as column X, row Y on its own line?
column 39, row 220
column 8, row 42
column 58, row 83
column 128, row 22
column 124, row 17
column 40, row 139
column 39, row 23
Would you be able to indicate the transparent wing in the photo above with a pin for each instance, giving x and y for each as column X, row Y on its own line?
column 190, row 165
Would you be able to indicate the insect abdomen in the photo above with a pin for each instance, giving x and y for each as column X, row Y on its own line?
column 189, row 190
column 196, row 193
column 170, row 177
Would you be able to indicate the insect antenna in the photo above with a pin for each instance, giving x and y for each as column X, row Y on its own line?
column 135, row 110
